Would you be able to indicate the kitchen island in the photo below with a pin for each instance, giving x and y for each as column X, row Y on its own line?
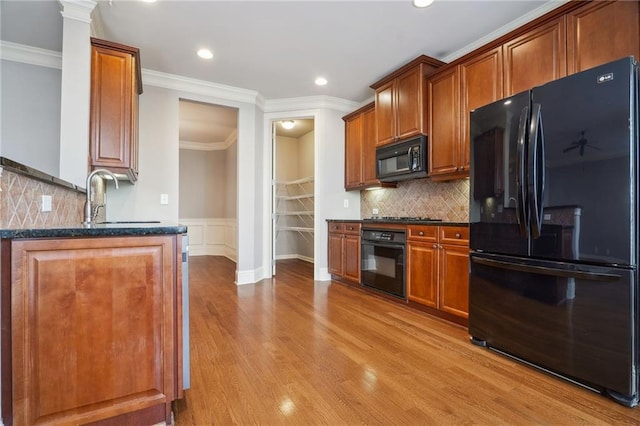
column 91, row 323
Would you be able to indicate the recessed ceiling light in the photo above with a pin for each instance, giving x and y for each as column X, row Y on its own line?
column 205, row 54
column 149, row 1
column 288, row 124
column 422, row 3
column 321, row 81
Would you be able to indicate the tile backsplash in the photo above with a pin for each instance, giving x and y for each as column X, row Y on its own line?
column 448, row 201
column 21, row 202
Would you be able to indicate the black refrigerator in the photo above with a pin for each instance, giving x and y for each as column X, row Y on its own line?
column 554, row 228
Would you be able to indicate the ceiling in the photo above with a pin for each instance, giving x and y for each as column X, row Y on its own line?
column 278, row 48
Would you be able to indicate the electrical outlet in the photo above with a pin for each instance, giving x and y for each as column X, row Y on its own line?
column 164, row 198
column 346, row 203
column 46, row 203
column 375, row 211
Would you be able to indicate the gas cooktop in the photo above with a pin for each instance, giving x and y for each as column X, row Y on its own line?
column 401, row 219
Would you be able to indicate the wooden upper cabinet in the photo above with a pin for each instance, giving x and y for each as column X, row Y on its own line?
column 115, row 85
column 369, row 147
column 400, row 101
column 444, row 122
column 353, row 149
column 385, row 119
column 409, row 104
column 535, row 58
column 480, row 84
column 360, row 149
column 601, row 32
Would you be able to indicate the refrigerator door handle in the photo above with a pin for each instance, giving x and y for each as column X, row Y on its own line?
column 543, row 270
column 536, row 168
column 521, row 213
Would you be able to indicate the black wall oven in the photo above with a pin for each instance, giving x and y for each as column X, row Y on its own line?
column 383, row 261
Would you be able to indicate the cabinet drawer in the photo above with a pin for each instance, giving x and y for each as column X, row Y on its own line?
column 422, row 233
column 336, row 227
column 351, row 228
column 454, row 235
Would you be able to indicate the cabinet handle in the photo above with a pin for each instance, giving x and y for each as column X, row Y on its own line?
column 421, row 233
column 351, row 228
column 435, row 246
column 458, row 235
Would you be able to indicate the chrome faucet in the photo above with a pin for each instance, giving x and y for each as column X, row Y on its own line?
column 88, row 208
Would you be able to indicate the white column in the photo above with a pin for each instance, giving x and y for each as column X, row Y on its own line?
column 76, row 89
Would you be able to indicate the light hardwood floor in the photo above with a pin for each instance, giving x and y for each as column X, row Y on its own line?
column 294, row 351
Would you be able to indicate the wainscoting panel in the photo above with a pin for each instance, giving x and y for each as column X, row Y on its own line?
column 212, row 237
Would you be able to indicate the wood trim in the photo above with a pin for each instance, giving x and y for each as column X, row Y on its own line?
column 420, row 60
column 5, row 312
column 544, row 19
column 359, row 111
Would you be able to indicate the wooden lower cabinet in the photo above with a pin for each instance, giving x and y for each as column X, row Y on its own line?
column 91, row 330
column 344, row 251
column 438, row 268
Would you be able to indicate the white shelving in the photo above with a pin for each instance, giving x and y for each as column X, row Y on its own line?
column 294, row 205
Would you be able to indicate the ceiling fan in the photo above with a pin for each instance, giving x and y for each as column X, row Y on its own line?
column 580, row 144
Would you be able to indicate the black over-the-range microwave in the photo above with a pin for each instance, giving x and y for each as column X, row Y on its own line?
column 402, row 160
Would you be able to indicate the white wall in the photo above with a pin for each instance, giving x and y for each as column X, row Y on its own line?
column 159, row 165
column 203, row 184
column 30, row 106
column 231, row 179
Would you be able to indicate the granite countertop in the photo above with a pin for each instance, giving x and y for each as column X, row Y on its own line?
column 96, row 230
column 401, row 222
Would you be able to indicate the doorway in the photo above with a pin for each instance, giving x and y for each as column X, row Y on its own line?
column 208, row 164
column 293, row 190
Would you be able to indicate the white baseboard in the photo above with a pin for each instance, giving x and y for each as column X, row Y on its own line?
column 324, row 275
column 250, row 277
column 294, row 256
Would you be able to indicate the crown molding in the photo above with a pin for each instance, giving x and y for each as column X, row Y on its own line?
column 210, row 146
column 80, row 10
column 30, row 55
column 97, row 25
column 309, row 102
column 200, row 87
column 513, row 25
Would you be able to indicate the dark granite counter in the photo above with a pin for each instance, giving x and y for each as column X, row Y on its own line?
column 96, row 230
column 370, row 222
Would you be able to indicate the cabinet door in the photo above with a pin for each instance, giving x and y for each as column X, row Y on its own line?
column 535, row 58
column 422, row 275
column 385, row 121
column 93, row 326
column 601, row 32
column 335, row 254
column 480, row 84
column 352, row 258
column 369, row 147
column 409, row 104
column 454, row 280
column 444, row 122
column 353, row 153
column 112, row 90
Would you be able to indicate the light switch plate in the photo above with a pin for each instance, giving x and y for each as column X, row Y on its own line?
column 46, row 203
column 346, row 203
column 164, row 198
